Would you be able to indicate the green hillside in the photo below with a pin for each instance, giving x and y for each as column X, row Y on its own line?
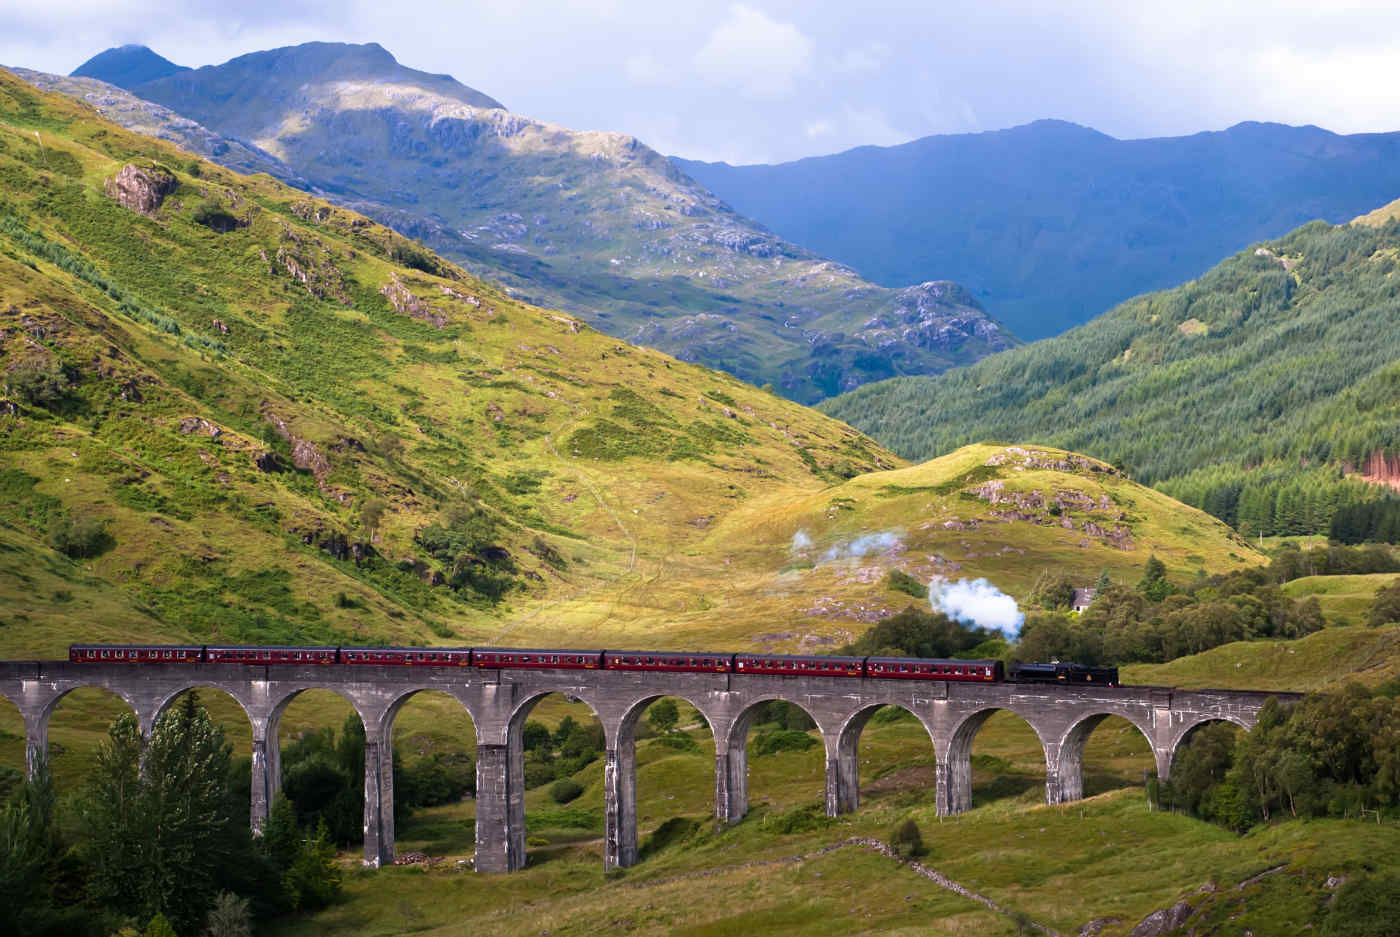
column 1262, row 392
column 249, row 415
column 591, row 222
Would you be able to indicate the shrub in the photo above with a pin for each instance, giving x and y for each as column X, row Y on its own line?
column 564, row 790
column 663, row 715
column 1385, row 607
column 38, row 383
column 673, row 831
column 900, row 581
column 215, row 217
column 803, row 819
column 80, row 536
column 782, row 740
column 410, row 255
column 906, row 840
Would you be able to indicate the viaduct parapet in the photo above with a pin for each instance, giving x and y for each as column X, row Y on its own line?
column 499, row 701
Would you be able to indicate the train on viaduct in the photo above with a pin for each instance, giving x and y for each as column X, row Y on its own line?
column 499, row 699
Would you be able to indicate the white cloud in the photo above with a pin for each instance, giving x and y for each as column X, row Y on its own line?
column 865, row 58
column 754, row 53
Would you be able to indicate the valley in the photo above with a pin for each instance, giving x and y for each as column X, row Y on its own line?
column 312, row 347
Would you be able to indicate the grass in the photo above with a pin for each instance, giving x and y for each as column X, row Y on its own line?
column 1322, row 660
column 1344, row 599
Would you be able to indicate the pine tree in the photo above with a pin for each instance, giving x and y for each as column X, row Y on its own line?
column 163, row 835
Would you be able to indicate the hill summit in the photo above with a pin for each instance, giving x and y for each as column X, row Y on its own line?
column 126, row 66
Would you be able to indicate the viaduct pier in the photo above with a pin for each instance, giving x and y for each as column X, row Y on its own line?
column 499, row 702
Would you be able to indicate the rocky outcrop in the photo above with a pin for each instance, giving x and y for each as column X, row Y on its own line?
column 1163, row 921
column 405, row 303
column 141, row 190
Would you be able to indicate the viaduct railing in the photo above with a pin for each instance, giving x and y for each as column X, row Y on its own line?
column 499, row 701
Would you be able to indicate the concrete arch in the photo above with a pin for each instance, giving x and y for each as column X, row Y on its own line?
column 50, row 704
column 514, row 769
column 1070, row 769
column 378, row 850
column 379, row 777
column 956, row 796
column 843, row 787
column 164, row 703
column 396, row 703
column 37, row 722
column 732, row 764
column 1189, row 726
column 620, row 780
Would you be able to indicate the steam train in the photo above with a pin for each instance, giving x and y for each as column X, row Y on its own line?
column 494, row 658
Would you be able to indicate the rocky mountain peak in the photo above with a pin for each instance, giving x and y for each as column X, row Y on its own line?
column 127, row 66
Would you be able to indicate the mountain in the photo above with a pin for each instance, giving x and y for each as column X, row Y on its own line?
column 233, row 411
column 1263, row 392
column 1053, row 223
column 127, row 65
column 153, row 120
column 594, row 223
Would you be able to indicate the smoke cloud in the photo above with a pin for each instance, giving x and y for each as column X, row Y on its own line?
column 866, row 543
column 977, row 602
column 800, row 542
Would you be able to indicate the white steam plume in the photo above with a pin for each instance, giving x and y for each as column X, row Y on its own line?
column 866, row 543
column 978, row 602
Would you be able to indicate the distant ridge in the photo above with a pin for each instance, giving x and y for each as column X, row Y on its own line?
column 258, row 75
column 127, row 66
column 1052, row 223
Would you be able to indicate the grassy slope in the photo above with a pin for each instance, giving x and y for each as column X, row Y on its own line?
column 1285, row 350
column 593, row 222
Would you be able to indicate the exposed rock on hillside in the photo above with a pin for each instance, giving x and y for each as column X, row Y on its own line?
column 141, row 189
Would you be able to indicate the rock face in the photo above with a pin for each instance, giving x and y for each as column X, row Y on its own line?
column 141, row 190
column 1164, row 921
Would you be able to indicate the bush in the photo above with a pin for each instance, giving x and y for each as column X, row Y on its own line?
column 410, row 255
column 80, row 536
column 906, row 840
column 804, row 819
column 565, row 790
column 215, row 217
column 782, row 740
column 1367, row 906
column 673, row 831
column 663, row 715
column 1385, row 607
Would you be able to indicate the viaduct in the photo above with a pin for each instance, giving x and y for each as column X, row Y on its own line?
column 499, row 701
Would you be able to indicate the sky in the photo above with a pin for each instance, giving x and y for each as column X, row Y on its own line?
column 772, row 80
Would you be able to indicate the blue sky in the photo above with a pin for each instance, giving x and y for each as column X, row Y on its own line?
column 761, row 81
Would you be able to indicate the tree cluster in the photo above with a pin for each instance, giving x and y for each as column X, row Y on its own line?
column 551, row 756
column 1331, row 755
column 163, row 843
column 1155, row 621
column 917, row 633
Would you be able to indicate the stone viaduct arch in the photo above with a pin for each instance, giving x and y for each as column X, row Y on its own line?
column 498, row 701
